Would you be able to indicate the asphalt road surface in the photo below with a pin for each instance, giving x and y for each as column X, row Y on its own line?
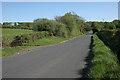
column 63, row 60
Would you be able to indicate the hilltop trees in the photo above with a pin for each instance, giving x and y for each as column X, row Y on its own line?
column 69, row 24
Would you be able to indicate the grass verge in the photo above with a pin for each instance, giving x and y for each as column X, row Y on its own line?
column 104, row 63
column 45, row 41
column 11, row 51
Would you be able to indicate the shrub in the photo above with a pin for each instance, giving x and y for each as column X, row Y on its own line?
column 27, row 38
column 5, row 42
column 53, row 27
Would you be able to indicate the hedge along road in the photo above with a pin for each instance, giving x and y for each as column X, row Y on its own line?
column 63, row 60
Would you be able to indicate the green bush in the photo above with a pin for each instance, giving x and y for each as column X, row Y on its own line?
column 70, row 20
column 27, row 38
column 61, row 30
column 5, row 42
column 53, row 27
column 110, row 25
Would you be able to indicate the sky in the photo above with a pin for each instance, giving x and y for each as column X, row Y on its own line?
column 29, row 11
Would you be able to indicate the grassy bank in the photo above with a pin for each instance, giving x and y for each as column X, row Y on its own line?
column 11, row 51
column 45, row 41
column 8, row 35
column 104, row 62
column 111, row 38
column 11, row 33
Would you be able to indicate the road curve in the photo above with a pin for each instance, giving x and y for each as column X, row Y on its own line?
column 63, row 60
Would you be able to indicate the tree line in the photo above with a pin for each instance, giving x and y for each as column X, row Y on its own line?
column 17, row 25
column 67, row 25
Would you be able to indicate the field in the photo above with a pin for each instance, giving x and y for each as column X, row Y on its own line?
column 11, row 33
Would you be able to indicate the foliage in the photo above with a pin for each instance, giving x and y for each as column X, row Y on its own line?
column 53, row 27
column 9, row 34
column 5, row 42
column 27, row 38
column 61, row 30
column 117, row 23
column 70, row 20
column 7, row 23
column 97, row 25
column 111, row 39
column 109, row 25
column 87, row 26
column 104, row 63
column 17, row 25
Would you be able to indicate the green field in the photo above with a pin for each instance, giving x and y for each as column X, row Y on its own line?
column 11, row 33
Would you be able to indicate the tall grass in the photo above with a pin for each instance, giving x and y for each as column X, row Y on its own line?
column 111, row 38
column 104, row 62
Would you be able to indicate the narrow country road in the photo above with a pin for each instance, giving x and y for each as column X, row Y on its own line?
column 63, row 60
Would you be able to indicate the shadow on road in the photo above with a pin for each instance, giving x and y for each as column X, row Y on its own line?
column 84, row 72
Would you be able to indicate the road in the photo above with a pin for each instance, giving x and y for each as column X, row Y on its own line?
column 63, row 60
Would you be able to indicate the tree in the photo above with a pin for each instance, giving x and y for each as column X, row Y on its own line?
column 15, row 24
column 110, row 25
column 0, row 25
column 87, row 26
column 72, row 21
column 53, row 27
column 7, row 23
column 97, row 25
column 117, row 23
